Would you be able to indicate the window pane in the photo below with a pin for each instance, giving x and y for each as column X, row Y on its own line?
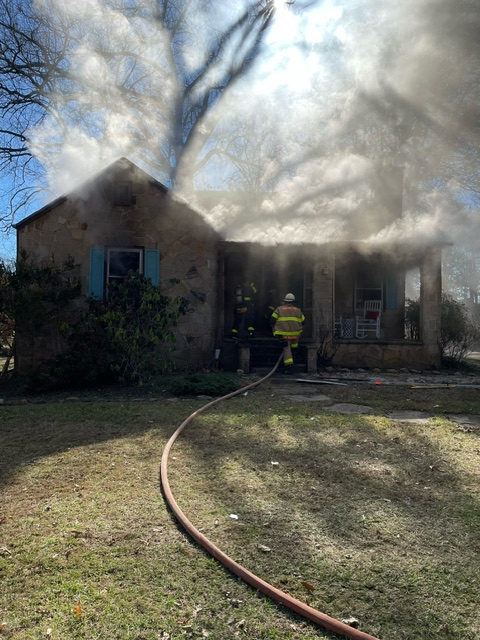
column 121, row 262
column 122, row 195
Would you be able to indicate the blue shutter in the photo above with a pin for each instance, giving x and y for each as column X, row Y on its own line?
column 97, row 271
column 390, row 295
column 152, row 266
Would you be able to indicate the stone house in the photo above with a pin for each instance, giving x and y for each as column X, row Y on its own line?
column 124, row 219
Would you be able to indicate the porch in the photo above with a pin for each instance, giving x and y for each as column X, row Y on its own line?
column 354, row 302
column 260, row 355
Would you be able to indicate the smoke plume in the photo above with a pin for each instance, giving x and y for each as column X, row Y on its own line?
column 356, row 120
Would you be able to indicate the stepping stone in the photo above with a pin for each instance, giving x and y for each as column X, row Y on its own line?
column 313, row 398
column 466, row 422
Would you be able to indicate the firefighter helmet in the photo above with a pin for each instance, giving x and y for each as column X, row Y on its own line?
column 289, row 298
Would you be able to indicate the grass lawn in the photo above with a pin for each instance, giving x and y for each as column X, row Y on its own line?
column 360, row 516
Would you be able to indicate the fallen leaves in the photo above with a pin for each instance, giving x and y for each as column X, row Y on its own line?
column 352, row 622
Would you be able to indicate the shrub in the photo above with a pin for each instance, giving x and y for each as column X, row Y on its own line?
column 412, row 319
column 36, row 298
column 211, row 384
column 459, row 333
column 7, row 323
column 126, row 338
column 328, row 345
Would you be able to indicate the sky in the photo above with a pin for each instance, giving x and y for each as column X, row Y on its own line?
column 336, row 87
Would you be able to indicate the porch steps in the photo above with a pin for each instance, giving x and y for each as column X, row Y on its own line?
column 265, row 353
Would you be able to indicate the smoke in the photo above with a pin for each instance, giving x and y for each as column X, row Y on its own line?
column 357, row 119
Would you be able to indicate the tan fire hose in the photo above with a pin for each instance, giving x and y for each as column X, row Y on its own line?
column 269, row 590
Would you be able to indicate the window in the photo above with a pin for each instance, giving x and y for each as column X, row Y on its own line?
column 368, row 286
column 122, row 194
column 391, row 294
column 121, row 261
column 114, row 263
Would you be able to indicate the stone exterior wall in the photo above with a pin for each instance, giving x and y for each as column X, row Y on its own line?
column 154, row 220
column 391, row 355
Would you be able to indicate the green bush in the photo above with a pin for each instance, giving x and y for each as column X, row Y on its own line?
column 210, row 384
column 35, row 299
column 7, row 323
column 126, row 338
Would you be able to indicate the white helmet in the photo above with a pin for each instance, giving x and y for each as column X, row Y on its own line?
column 289, row 298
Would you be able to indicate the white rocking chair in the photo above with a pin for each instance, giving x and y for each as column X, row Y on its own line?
column 369, row 323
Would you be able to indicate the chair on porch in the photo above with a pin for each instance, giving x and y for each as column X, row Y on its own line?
column 369, row 322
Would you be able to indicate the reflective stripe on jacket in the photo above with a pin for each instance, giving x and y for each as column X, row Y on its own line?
column 288, row 321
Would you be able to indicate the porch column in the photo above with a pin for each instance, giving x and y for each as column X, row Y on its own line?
column 431, row 302
column 322, row 304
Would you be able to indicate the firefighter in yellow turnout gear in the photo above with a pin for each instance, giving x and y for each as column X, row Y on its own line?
column 287, row 323
column 244, row 310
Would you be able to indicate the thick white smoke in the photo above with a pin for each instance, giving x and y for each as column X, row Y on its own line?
column 341, row 93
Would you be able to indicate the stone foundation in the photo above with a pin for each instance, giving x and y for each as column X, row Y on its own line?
column 387, row 355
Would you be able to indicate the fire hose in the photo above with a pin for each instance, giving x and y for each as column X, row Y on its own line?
column 267, row 589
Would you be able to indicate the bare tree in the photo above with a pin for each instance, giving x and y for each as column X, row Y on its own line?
column 32, row 55
column 149, row 65
column 255, row 152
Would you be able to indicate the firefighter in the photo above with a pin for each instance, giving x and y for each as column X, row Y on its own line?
column 244, row 310
column 287, row 323
column 269, row 309
column 249, row 295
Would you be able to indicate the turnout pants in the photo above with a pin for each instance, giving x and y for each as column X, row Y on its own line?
column 288, row 344
column 243, row 318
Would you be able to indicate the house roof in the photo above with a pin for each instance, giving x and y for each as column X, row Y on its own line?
column 98, row 176
column 396, row 252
